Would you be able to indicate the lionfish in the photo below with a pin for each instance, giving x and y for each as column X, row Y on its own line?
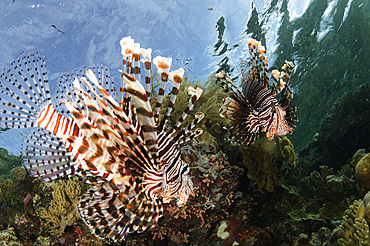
column 256, row 109
column 110, row 137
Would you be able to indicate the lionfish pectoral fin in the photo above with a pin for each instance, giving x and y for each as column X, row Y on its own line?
column 24, row 91
column 111, row 214
column 244, row 126
column 45, row 155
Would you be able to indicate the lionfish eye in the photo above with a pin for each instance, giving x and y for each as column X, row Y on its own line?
column 185, row 170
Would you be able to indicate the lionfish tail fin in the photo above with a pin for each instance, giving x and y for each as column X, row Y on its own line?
column 111, row 214
column 24, row 91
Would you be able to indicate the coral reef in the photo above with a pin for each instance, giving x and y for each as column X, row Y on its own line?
column 9, row 185
column 8, row 237
column 62, row 210
column 262, row 168
column 216, row 198
column 362, row 173
column 329, row 185
column 11, row 195
column 354, row 229
column 343, row 131
column 264, row 159
column 285, row 150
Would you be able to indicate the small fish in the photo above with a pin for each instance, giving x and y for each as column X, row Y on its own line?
column 255, row 109
column 89, row 129
column 57, row 29
column 210, row 8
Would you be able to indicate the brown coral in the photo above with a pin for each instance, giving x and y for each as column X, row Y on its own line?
column 329, row 185
column 63, row 208
column 362, row 172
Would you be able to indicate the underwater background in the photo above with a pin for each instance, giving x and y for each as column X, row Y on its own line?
column 309, row 194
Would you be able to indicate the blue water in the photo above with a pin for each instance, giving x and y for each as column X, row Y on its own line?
column 327, row 40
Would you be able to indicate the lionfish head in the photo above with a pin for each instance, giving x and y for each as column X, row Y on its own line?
column 279, row 126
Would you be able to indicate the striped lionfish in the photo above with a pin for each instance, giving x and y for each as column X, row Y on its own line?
column 256, row 109
column 111, row 137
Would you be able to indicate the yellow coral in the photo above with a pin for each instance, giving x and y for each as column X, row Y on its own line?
column 280, row 147
column 285, row 150
column 63, row 208
column 18, row 174
column 2, row 195
column 354, row 229
column 262, row 167
column 264, row 158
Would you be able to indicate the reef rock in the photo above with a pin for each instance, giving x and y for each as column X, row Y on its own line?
column 344, row 131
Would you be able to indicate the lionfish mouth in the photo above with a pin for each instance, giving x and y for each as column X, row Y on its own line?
column 255, row 109
column 113, row 136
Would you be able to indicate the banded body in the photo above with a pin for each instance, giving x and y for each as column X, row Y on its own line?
column 111, row 136
column 256, row 108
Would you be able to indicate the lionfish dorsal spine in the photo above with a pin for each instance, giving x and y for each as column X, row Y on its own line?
column 176, row 79
column 124, row 130
column 144, row 113
column 147, row 60
column 195, row 93
column 163, row 65
column 259, row 65
column 127, row 44
column 136, row 61
column 187, row 134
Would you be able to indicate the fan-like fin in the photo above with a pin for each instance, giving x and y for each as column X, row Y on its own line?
column 44, row 155
column 24, row 91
